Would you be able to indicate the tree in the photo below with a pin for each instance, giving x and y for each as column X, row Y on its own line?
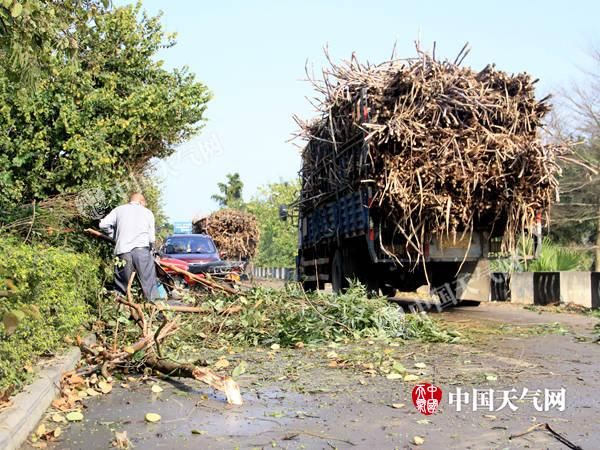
column 34, row 32
column 95, row 122
column 230, row 192
column 577, row 216
column 278, row 239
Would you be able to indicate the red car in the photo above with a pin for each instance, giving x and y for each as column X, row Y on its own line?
column 197, row 250
column 198, row 254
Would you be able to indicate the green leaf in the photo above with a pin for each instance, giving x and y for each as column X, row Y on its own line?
column 398, row 368
column 152, row 417
column 410, row 377
column 239, row 370
column 16, row 10
column 74, row 416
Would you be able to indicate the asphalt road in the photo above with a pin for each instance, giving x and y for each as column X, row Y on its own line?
column 328, row 397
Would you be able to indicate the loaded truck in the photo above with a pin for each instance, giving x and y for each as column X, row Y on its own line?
column 344, row 235
column 347, row 237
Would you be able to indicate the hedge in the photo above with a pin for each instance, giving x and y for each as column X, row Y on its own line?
column 45, row 298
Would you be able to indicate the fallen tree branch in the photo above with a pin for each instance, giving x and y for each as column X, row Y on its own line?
column 104, row 360
column 224, row 384
column 175, row 308
column 546, row 427
column 205, row 282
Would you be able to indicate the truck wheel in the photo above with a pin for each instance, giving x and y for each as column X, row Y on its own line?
column 309, row 286
column 372, row 285
column 388, row 291
column 338, row 279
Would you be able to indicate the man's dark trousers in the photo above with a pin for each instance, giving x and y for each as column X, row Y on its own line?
column 141, row 261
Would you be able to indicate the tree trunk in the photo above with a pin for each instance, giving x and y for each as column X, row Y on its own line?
column 597, row 262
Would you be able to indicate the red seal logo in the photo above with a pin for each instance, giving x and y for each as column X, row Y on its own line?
column 426, row 398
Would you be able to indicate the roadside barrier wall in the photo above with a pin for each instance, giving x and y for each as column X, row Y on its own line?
column 526, row 288
column 274, row 273
column 543, row 288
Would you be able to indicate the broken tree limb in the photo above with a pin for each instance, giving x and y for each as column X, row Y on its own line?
column 99, row 235
column 105, row 360
column 205, row 282
column 546, row 427
column 175, row 308
column 224, row 384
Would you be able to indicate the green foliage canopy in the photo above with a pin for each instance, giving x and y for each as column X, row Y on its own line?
column 33, row 32
column 278, row 239
column 93, row 122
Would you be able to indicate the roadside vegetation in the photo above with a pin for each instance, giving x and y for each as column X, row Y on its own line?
column 554, row 257
column 45, row 299
column 277, row 318
column 83, row 114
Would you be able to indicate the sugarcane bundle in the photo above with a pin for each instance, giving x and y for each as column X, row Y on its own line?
column 235, row 233
column 447, row 148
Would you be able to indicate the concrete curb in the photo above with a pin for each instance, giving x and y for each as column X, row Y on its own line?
column 18, row 421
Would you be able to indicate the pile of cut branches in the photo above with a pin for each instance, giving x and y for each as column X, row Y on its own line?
column 235, row 232
column 121, row 348
column 289, row 317
column 447, row 149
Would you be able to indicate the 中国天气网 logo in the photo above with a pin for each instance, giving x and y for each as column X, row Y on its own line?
column 427, row 398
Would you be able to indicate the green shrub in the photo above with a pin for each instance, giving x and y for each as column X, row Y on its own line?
column 45, row 299
column 553, row 258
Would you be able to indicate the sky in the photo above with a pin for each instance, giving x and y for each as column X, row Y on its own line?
column 252, row 55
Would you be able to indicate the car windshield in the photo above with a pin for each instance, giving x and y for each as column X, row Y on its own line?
column 189, row 244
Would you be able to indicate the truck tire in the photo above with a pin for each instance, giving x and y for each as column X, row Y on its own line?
column 338, row 277
column 309, row 286
column 388, row 291
column 372, row 285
